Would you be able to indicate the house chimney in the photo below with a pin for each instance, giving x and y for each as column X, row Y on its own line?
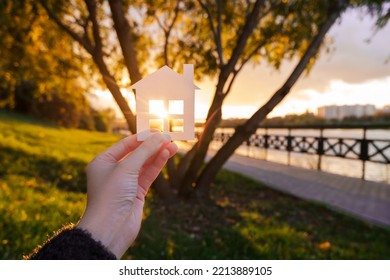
column 188, row 72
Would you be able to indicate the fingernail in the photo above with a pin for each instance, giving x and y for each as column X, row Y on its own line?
column 165, row 153
column 167, row 137
column 145, row 134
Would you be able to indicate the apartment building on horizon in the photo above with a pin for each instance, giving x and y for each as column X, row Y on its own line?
column 343, row 111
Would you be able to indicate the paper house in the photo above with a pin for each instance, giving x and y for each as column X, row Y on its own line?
column 165, row 101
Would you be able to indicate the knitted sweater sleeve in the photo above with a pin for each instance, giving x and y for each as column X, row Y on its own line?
column 71, row 244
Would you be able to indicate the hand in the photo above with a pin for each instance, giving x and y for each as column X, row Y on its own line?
column 118, row 180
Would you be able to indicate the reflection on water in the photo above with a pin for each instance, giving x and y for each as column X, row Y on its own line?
column 347, row 167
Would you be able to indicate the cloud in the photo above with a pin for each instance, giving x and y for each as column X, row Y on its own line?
column 353, row 59
column 353, row 62
column 337, row 92
column 355, row 72
column 341, row 92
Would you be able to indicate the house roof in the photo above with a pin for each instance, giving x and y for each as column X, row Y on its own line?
column 163, row 75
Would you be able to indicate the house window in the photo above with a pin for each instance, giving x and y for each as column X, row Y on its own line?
column 176, row 107
column 167, row 115
column 156, row 124
column 157, row 107
column 176, row 125
column 176, row 112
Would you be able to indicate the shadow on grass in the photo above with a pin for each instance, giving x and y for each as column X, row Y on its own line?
column 183, row 231
column 24, row 118
column 66, row 174
column 245, row 221
column 250, row 221
column 30, row 211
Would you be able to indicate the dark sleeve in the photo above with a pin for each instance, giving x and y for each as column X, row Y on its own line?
column 72, row 244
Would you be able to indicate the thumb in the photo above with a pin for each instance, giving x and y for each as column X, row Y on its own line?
column 134, row 162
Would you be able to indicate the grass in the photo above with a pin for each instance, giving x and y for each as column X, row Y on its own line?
column 42, row 187
column 42, row 179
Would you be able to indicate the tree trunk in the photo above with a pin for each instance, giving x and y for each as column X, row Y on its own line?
column 125, row 38
column 215, row 113
column 201, row 148
column 113, row 87
column 244, row 131
column 96, row 51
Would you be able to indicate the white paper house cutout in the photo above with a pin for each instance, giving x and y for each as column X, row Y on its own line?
column 165, row 100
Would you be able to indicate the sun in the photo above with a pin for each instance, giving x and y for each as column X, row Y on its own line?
column 157, row 107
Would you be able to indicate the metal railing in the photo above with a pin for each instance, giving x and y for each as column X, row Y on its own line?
column 363, row 149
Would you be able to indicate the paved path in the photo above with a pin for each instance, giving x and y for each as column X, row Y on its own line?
column 364, row 199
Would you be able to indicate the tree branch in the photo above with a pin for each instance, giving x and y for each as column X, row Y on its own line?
column 219, row 31
column 176, row 15
column 234, row 73
column 250, row 55
column 84, row 25
column 215, row 114
column 91, row 6
column 217, row 35
column 160, row 24
column 244, row 131
column 123, row 31
column 247, row 30
column 97, row 55
column 168, row 30
column 87, row 45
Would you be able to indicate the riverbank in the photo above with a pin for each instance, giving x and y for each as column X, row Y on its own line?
column 367, row 200
column 355, row 152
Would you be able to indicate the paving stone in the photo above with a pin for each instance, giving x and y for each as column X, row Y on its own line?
column 366, row 200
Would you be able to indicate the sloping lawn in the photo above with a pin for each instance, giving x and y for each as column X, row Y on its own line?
column 42, row 187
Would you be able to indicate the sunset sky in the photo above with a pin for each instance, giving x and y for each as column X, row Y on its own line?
column 354, row 72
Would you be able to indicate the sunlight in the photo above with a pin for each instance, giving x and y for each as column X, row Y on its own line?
column 238, row 111
column 338, row 92
column 156, row 107
column 176, row 107
column 156, row 124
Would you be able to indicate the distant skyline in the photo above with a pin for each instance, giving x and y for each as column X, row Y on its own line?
column 355, row 72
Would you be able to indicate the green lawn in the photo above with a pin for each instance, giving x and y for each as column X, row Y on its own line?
column 42, row 187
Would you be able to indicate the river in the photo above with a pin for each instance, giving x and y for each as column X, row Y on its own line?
column 348, row 167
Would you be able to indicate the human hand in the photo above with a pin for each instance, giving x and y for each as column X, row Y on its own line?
column 118, row 180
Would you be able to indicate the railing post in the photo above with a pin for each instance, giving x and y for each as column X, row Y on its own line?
column 289, row 146
column 340, row 147
column 320, row 149
column 248, row 145
column 266, row 136
column 364, row 152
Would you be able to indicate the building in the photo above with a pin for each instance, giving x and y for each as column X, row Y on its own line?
column 383, row 111
column 165, row 101
column 341, row 112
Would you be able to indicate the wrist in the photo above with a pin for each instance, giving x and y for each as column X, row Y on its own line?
column 104, row 233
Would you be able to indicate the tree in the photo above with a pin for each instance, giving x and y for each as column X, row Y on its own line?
column 85, row 23
column 219, row 37
column 269, row 30
column 244, row 131
column 34, row 79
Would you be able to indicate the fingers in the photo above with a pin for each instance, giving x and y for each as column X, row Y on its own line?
column 172, row 149
column 153, row 167
column 147, row 160
column 119, row 150
column 135, row 161
column 150, row 172
column 122, row 148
